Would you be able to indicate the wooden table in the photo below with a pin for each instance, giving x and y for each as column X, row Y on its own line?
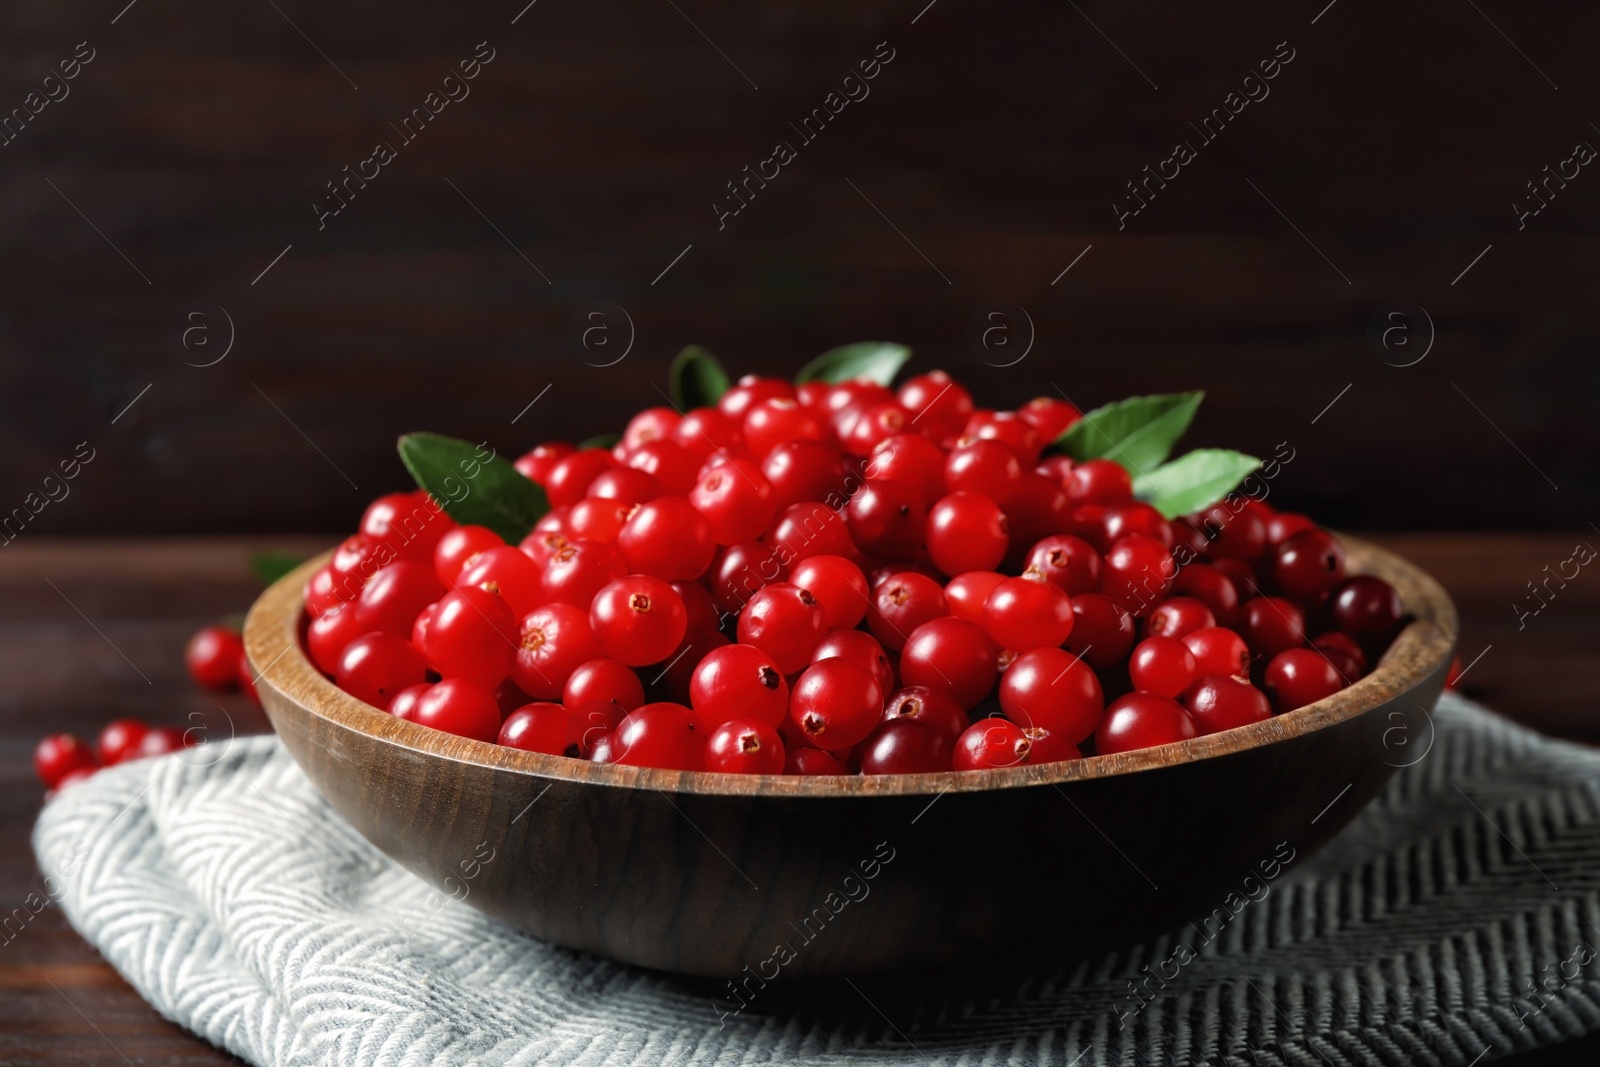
column 94, row 629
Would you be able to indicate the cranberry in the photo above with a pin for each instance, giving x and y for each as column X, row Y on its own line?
column 939, row 407
column 811, row 528
column 750, row 390
column 1217, row 702
column 772, row 422
column 320, row 593
column 905, row 746
column 983, row 466
column 812, row 762
column 1234, row 530
column 60, row 755
column 1219, row 651
column 1037, row 509
column 160, row 741
column 901, row 604
column 838, row 585
column 1120, row 520
column 704, row 431
column 863, row 427
column 404, row 704
column 459, row 707
column 1285, row 524
column 1299, row 677
column 1051, row 417
column 1049, row 746
column 1188, row 539
column 376, row 666
column 459, row 548
column 1344, row 653
column 578, row 570
column 966, row 532
column 801, row 471
column 859, row 648
column 886, row 519
column 951, row 655
column 992, row 743
column 836, row 703
column 327, row 635
column 740, row 571
column 667, row 538
column 913, row 461
column 541, row 727
column 786, row 622
column 744, row 746
column 638, row 619
column 1142, row 720
column 212, row 657
column 1054, row 690
column 1099, row 481
column 1070, row 562
column 1102, row 632
column 554, row 640
column 540, row 545
column 1308, row 564
column 507, row 571
column 739, row 682
column 473, row 636
column 119, row 740
column 1211, row 587
column 673, row 466
column 736, row 500
column 1010, row 429
column 660, row 735
column 535, row 465
column 622, row 485
column 1162, row 665
column 604, row 687
column 1272, row 624
column 597, row 520
column 1178, row 616
column 568, row 479
column 934, row 709
column 1028, row 612
column 651, row 424
column 965, row 593
column 1366, row 608
column 1138, row 572
column 392, row 599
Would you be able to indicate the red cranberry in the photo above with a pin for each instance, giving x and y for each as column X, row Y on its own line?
column 1070, row 562
column 541, row 727
column 1308, row 564
column 212, row 657
column 1299, row 677
column 992, row 743
column 744, row 746
column 1219, row 651
column 1272, row 625
column 60, row 755
column 459, row 707
column 1142, row 720
column 836, row 703
column 905, row 746
column 934, row 709
column 952, row 655
column 739, row 682
column 1178, row 616
column 1217, row 702
column 1052, row 689
column 1366, row 607
column 1162, row 665
column 1102, row 632
column 660, row 735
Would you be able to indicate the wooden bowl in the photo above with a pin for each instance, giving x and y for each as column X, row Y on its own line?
column 711, row 874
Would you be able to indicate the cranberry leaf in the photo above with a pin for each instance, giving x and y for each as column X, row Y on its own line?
column 696, row 379
column 269, row 566
column 473, row 484
column 1138, row 432
column 876, row 361
column 1194, row 481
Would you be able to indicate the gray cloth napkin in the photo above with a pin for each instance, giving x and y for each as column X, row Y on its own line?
column 1455, row 921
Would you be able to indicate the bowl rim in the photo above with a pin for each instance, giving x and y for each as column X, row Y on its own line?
column 272, row 638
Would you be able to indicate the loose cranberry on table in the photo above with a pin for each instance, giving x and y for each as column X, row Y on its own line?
column 60, row 755
column 212, row 657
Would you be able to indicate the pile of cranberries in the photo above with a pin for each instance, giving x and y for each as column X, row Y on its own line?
column 215, row 660
column 836, row 579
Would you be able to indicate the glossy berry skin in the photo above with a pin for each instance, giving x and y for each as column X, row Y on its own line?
column 1211, row 587
column 327, row 635
column 811, row 528
column 651, row 424
column 1102, row 633
column 939, row 406
column 992, row 743
column 886, row 519
column 569, row 478
column 906, row 746
column 1178, row 616
column 703, row 431
column 1162, row 665
column 913, row 461
column 160, row 741
column 1099, row 481
column 812, row 762
column 1051, row 417
column 60, row 755
column 1366, row 608
column 900, row 604
column 1120, row 520
column 966, row 593
column 1052, row 689
column 554, row 640
column 1308, row 564
column 1299, row 677
column 934, row 709
column 802, row 470
column 535, row 464
column 473, row 636
column 1219, row 651
column 836, row 704
column 1049, row 746
column 769, row 423
column 602, row 686
column 578, row 570
column 659, row 735
column 540, row 727
column 1138, row 572
column 638, row 619
column 622, row 485
column 1010, row 429
column 212, row 657
column 859, row 648
column 376, row 666
column 740, row 571
column 1234, row 530
column 507, row 571
column 966, row 532
column 459, row 707
column 1242, row 573
column 392, row 598
column 404, row 704
column 953, row 656
column 786, row 622
column 1142, row 720
column 119, row 740
column 458, row 548
column 1285, row 524
column 838, row 585
column 736, row 499
column 744, row 746
column 1028, row 612
column 739, row 682
column 1217, row 702
column 1070, row 562
column 1271, row 624
column 983, row 466
column 1344, row 653
column 667, row 538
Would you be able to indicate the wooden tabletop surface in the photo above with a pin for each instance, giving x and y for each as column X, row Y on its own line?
column 94, row 629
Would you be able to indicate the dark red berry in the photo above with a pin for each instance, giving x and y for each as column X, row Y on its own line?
column 1142, row 720
column 1102, row 633
column 1299, row 677
column 1162, row 665
column 1028, row 612
column 1366, row 607
column 375, row 667
column 212, row 657
column 966, row 532
column 1217, row 702
column 838, row 585
column 1070, row 562
column 1218, row 651
column 812, row 762
column 1177, row 616
column 991, row 743
column 1272, row 624
column 901, row 604
column 1308, row 564
column 905, row 746
column 859, row 648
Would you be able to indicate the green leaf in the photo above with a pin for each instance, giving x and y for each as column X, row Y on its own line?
column 1194, row 481
column 268, row 567
column 696, row 379
column 876, row 361
column 1138, row 432
column 606, row 441
column 473, row 484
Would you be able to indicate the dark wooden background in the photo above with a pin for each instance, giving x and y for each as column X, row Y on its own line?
column 199, row 138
